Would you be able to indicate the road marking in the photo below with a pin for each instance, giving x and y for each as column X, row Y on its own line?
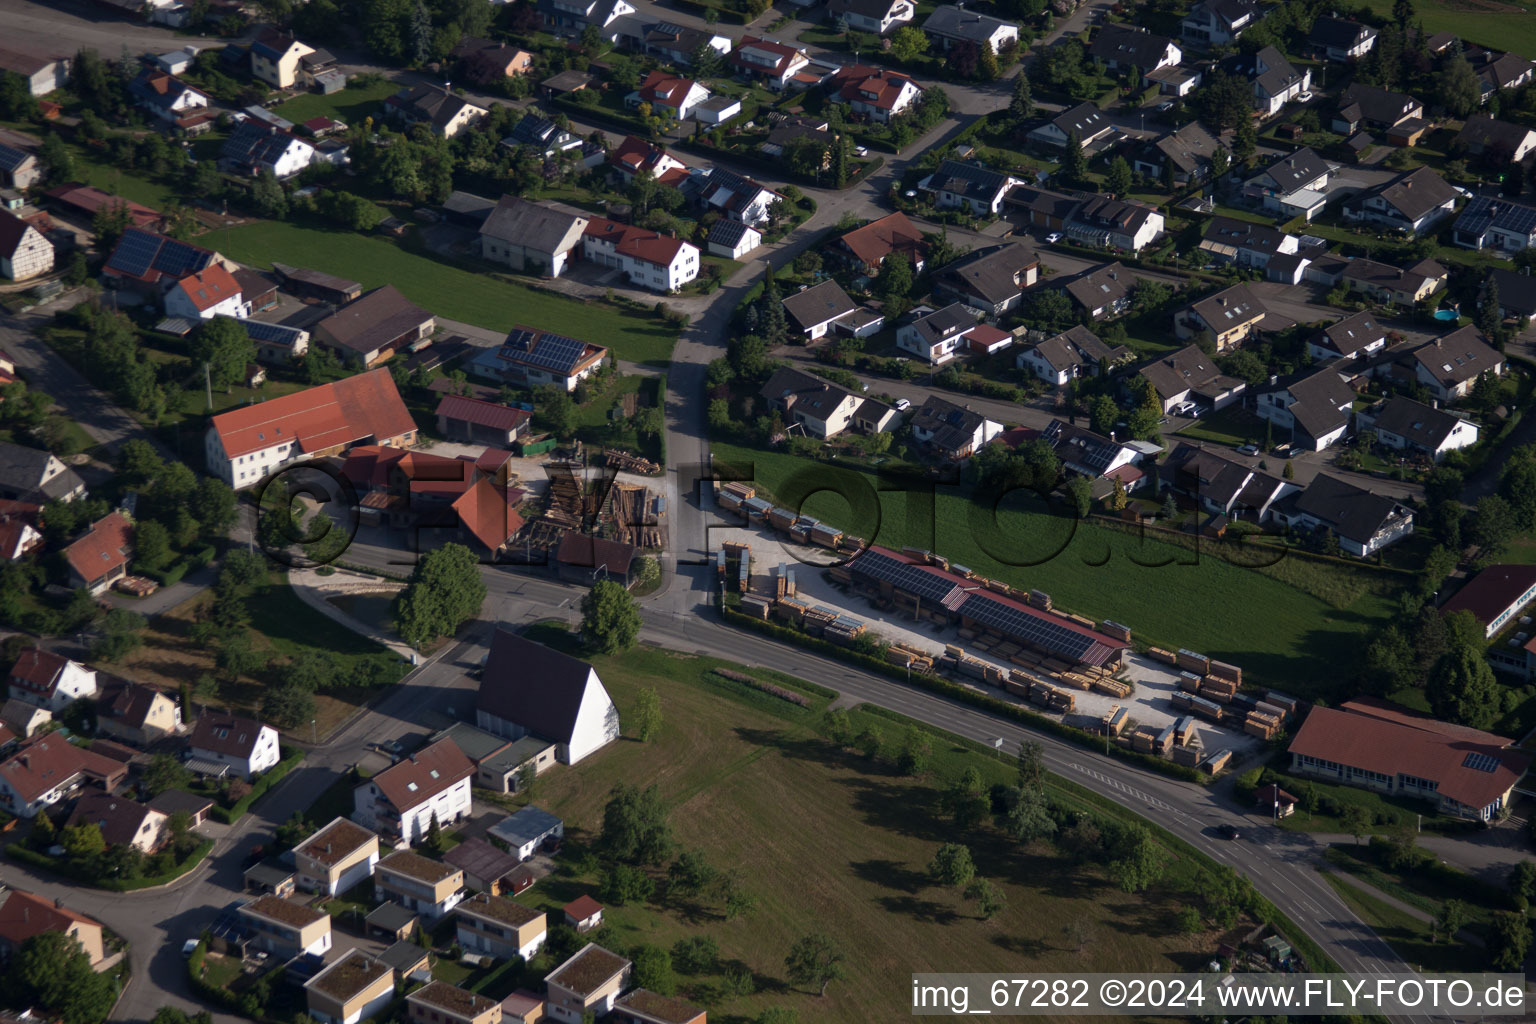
column 1116, row 784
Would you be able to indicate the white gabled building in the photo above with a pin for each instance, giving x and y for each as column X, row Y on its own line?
column 648, row 258
column 401, row 801
column 206, row 294
column 247, row 746
column 48, row 680
column 529, row 689
column 24, row 252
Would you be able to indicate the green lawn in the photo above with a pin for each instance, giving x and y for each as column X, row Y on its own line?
column 1410, row 937
column 1232, row 425
column 350, row 105
column 1501, row 26
column 95, row 168
column 448, row 291
column 831, row 842
column 1301, row 620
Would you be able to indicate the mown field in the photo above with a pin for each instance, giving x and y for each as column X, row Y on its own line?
column 1493, row 23
column 829, row 841
column 1294, row 624
column 448, row 291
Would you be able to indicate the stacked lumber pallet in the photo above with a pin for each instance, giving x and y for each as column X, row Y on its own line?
column 1081, row 620
column 1184, row 731
column 1051, row 697
column 1112, row 687
column 780, row 518
column 1187, row 756
column 1261, row 725
column 790, row 611
column 1280, row 700
column 1189, row 682
column 1197, row 705
column 840, row 575
column 627, row 463
column 1166, row 657
column 757, row 607
column 1220, row 690
column 1221, row 670
column 1115, row 720
column 1216, row 761
column 1192, row 662
column 1039, row 599
column 732, row 494
column 1116, row 630
column 844, row 630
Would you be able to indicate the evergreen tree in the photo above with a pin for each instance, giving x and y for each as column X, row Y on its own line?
column 1245, row 140
column 421, row 34
column 1022, row 107
column 773, row 324
column 1489, row 321
column 1117, row 182
column 842, row 161
column 1460, row 90
column 986, row 64
column 1074, row 164
column 1402, row 13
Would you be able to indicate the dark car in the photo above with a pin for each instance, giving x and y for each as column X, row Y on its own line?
column 1228, row 832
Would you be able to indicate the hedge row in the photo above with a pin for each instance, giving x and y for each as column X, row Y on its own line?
column 661, row 403
column 42, row 860
column 274, row 775
column 954, row 691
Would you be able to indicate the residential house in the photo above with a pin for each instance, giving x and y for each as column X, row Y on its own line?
column 1294, row 185
column 1340, row 40
column 527, row 830
column 539, row 238
column 940, row 335
column 171, row 100
column 773, row 64
column 736, row 197
column 354, row 988
column 1231, row 315
column 1244, row 243
column 1359, row 334
column 648, row 259
column 1408, row 426
column 732, row 239
column 1184, row 153
column 498, row 927
column 247, row 746
column 1115, row 223
column 402, row 801
column 583, row 913
column 669, row 95
column 1363, row 522
column 50, row 769
column 1413, row 202
column 25, row 915
column 587, row 983
column 1498, row 71
column 1219, row 22
column 42, row 75
column 428, row 887
column 954, row 24
column 636, row 156
column 24, row 719
column 875, row 93
column 1092, row 455
column 243, row 445
column 284, row 928
column 1494, row 596
column 819, row 407
column 969, row 186
column 436, row 107
column 791, row 129
column 33, row 475
column 48, row 680
column 1517, row 293
column 152, row 263
column 122, row 822
column 1499, row 141
column 542, row 135
column 1075, row 352
column 1221, row 484
column 135, row 713
column 1314, row 406
column 275, row 58
column 205, row 294
column 1276, row 81
column 1086, row 122
column 951, row 431
column 172, row 802
column 865, row 248
column 1189, row 375
column 1451, row 364
column 486, row 868
column 1099, row 292
column 1371, row 744
column 881, row 17
column 19, row 535
column 583, row 559
column 336, row 858
column 475, row 420
column 990, row 280
column 254, row 147
column 534, row 358
column 485, row 62
column 678, row 43
column 642, row 1006
column 1394, row 285
column 816, row 308
column 572, row 17
column 500, row 764
column 487, row 514
column 438, row 1002
column 19, row 169
column 1122, row 47
column 527, row 688
column 1040, row 207
column 372, row 329
column 24, row 251
column 1366, row 106
column 1486, row 222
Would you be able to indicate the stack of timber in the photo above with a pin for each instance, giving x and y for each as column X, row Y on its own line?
column 732, row 494
column 625, row 462
column 1111, row 686
column 1192, row 662
column 1166, row 657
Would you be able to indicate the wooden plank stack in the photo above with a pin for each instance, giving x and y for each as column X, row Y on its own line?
column 1111, row 686
column 1280, row 700
column 1219, row 690
column 1197, row 705
column 1184, row 731
column 1221, row 670
column 1192, row 662
column 1081, row 620
column 1187, row 756
column 844, row 630
column 755, row 606
column 732, row 494
column 1115, row 720
column 1189, row 682
column 1116, row 630
column 1216, row 761
column 1039, row 599
column 1166, row 657
column 780, row 518
column 1261, row 725
column 790, row 611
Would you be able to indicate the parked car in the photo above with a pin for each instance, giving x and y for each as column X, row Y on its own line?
column 1163, row 108
column 1303, row 97
column 1184, row 409
column 1283, row 450
column 902, row 405
column 1248, row 449
column 1053, row 237
column 861, row 151
column 189, row 947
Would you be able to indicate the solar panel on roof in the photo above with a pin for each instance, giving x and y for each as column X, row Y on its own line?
column 907, row 578
column 260, row 330
column 669, row 28
column 1036, row 630
column 135, row 253
column 544, row 351
column 11, row 157
column 1481, row 762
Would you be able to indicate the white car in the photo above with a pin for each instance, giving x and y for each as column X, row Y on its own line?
column 1303, row 97
column 189, row 947
column 902, row 405
column 1053, row 237
column 861, row 151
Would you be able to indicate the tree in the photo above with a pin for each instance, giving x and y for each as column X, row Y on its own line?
column 52, row 970
column 57, row 159
column 908, row 43
column 1074, row 163
column 1080, row 493
column 635, row 827
column 1022, row 106
column 1522, row 880
column 288, row 706
column 622, row 884
column 986, row 64
column 165, row 772
column 1117, row 182
column 915, row 751
column 990, row 898
column 1402, row 13
column 691, row 873
column 1031, row 765
column 1220, row 162
column 894, row 280
column 1289, row 472
column 1029, row 817
column 268, row 196
column 1493, row 523
column 696, row 954
column 1489, row 319
column 444, row 591
column 1136, row 862
column 556, row 409
column 1460, row 91
column 952, row 866
column 1079, row 932
column 647, row 714
column 653, row 970
column 83, row 841
column 1356, row 820
column 1389, row 663
column 776, row 1014
column 1245, row 140
column 814, row 960
column 1224, row 100
column 1452, row 917
column 151, row 544
column 222, row 344
column 610, row 618
column 1511, row 940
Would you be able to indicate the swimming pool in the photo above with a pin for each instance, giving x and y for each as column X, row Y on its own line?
column 1447, row 314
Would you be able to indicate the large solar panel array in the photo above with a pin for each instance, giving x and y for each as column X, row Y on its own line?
column 667, row 28
column 278, row 334
column 907, row 578
column 135, row 253
column 545, row 351
column 1482, row 762
column 11, row 157
column 1038, row 631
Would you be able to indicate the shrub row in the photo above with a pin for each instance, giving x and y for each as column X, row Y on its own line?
column 36, row 858
column 965, row 695
column 274, row 775
column 768, row 688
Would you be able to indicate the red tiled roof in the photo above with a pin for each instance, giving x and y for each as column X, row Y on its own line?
column 785, row 54
column 879, row 238
column 877, row 87
column 637, row 243
column 24, row 915
column 363, row 407
column 482, row 413
column 89, row 199
column 492, row 459
column 1382, row 737
column 583, row 907
column 51, row 761
column 424, row 774
column 211, row 287
column 486, row 512
column 367, row 466
column 668, row 90
column 107, row 548
column 37, row 670
column 127, row 702
column 588, row 552
column 1491, row 591
column 635, row 155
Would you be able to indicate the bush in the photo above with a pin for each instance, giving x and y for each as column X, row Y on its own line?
column 86, row 876
column 230, row 815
